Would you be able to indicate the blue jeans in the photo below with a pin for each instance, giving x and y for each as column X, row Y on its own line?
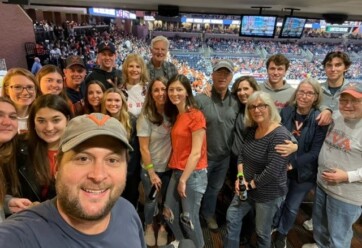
column 184, row 220
column 151, row 208
column 264, row 215
column 290, row 208
column 216, row 173
column 332, row 221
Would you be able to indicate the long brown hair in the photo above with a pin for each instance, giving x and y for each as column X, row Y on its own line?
column 149, row 107
column 9, row 180
column 38, row 148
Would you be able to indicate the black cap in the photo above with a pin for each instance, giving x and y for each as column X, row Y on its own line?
column 106, row 45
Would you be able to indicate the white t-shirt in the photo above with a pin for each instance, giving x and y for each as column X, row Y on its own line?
column 160, row 141
column 135, row 99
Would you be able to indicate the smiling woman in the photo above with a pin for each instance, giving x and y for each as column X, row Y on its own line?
column 48, row 118
column 21, row 87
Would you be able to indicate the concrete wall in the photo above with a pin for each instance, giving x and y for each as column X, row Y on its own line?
column 16, row 29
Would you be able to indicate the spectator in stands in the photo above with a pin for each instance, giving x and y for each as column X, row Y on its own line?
column 277, row 66
column 220, row 111
column 134, row 88
column 94, row 95
column 106, row 73
column 75, row 72
column 88, row 210
column 299, row 117
column 48, row 118
column 153, row 131
column 158, row 66
column 188, row 162
column 114, row 104
column 263, row 171
column 338, row 195
column 9, row 181
column 21, row 87
column 36, row 66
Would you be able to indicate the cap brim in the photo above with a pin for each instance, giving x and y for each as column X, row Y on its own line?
column 70, row 144
column 353, row 93
column 75, row 64
column 219, row 67
column 106, row 49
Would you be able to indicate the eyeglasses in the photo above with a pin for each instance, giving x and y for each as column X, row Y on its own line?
column 260, row 107
column 19, row 89
column 308, row 94
column 354, row 102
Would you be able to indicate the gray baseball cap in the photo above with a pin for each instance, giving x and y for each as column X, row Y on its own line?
column 84, row 127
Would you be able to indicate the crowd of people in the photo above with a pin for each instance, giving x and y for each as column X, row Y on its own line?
column 72, row 142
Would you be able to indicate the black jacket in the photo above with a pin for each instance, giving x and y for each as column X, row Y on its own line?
column 115, row 76
column 305, row 160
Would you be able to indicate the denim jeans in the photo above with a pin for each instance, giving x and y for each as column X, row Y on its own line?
column 151, row 208
column 264, row 215
column 184, row 220
column 290, row 208
column 216, row 173
column 332, row 221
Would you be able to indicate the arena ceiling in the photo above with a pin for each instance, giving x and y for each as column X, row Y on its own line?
column 308, row 8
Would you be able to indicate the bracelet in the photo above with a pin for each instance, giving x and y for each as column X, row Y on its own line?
column 149, row 166
column 240, row 174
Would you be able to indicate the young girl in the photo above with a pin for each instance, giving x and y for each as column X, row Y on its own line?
column 114, row 104
column 20, row 86
column 9, row 182
column 48, row 118
column 93, row 98
column 188, row 162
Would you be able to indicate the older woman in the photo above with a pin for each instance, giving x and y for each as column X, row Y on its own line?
column 20, row 86
column 263, row 171
column 300, row 119
column 134, row 87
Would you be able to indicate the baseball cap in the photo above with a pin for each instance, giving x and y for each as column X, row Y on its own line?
column 84, row 127
column 354, row 89
column 74, row 60
column 106, row 46
column 224, row 64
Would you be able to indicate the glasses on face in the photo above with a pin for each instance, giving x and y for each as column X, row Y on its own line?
column 308, row 94
column 354, row 102
column 260, row 107
column 19, row 89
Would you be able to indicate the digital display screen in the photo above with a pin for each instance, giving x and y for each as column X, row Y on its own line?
column 292, row 27
column 258, row 26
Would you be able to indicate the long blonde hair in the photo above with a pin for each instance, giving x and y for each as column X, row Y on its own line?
column 144, row 78
column 123, row 117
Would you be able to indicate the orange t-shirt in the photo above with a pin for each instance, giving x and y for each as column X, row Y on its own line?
column 181, row 139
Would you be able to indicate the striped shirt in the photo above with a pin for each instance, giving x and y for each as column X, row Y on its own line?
column 263, row 164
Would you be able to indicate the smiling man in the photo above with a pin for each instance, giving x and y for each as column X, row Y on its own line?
column 277, row 67
column 158, row 66
column 87, row 212
column 338, row 196
column 106, row 71
column 220, row 111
